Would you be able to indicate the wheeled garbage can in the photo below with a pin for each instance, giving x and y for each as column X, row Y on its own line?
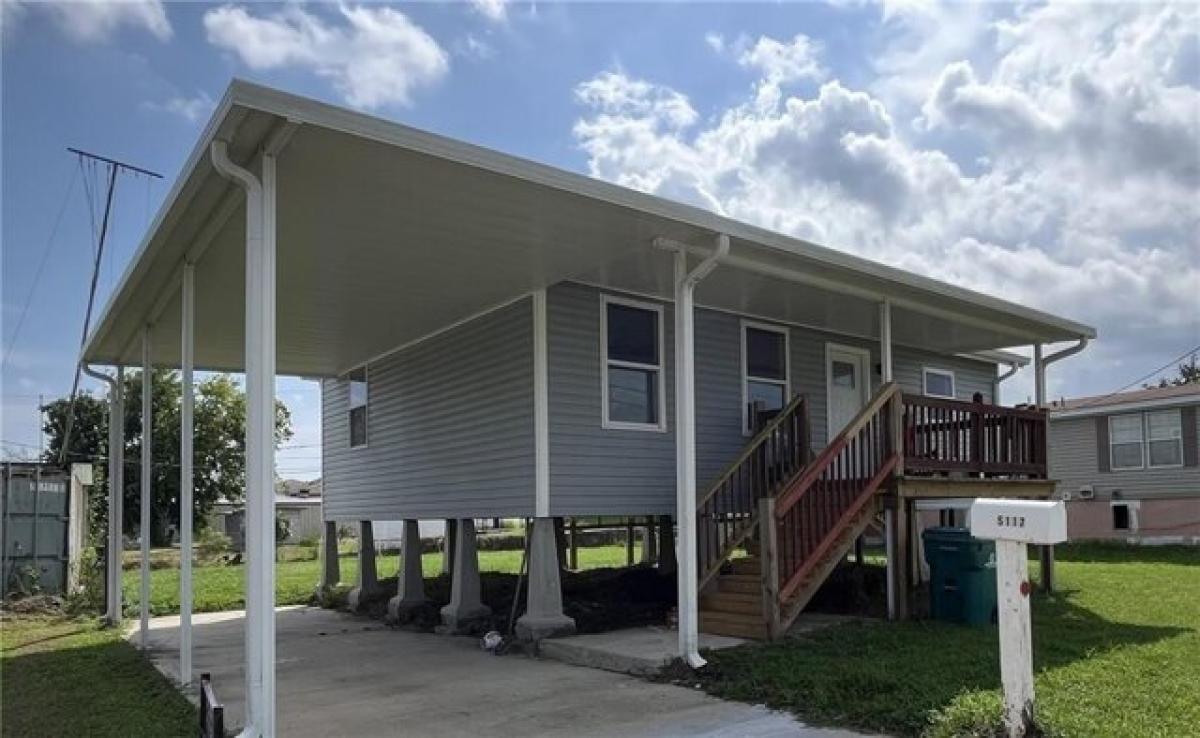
column 962, row 576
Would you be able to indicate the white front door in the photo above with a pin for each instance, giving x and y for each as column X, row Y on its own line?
column 847, row 376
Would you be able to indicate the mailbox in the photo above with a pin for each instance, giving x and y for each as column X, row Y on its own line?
column 1022, row 521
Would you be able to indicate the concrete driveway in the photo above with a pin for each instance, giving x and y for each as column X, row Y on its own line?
column 341, row 675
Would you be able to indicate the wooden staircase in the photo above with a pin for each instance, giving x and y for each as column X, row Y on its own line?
column 800, row 516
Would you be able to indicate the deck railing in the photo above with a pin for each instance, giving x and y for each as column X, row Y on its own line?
column 727, row 513
column 942, row 436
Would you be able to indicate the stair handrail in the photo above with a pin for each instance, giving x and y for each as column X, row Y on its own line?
column 890, row 458
column 798, row 402
column 718, row 538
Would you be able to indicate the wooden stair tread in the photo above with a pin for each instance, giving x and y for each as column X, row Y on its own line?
column 747, row 603
column 733, row 624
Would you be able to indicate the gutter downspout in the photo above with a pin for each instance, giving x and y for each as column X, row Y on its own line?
column 1040, row 363
column 260, row 452
column 116, row 484
column 685, row 444
column 1013, row 368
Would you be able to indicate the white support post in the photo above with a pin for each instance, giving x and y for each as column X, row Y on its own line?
column 116, row 485
column 260, row 437
column 186, row 456
column 885, row 340
column 147, row 475
column 685, row 446
column 885, row 366
column 1039, row 377
column 1016, row 650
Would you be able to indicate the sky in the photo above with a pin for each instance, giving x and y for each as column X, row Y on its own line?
column 1048, row 154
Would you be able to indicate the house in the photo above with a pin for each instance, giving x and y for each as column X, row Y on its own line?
column 1127, row 464
column 499, row 338
column 297, row 504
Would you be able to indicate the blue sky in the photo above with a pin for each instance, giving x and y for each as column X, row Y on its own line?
column 1045, row 153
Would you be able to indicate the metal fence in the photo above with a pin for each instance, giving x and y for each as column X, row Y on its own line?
column 35, row 501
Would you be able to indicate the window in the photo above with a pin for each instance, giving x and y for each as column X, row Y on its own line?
column 1125, row 441
column 1120, row 516
column 1164, row 434
column 764, row 371
column 939, row 383
column 358, row 407
column 633, row 365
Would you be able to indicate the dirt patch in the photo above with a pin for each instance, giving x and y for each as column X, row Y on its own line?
column 599, row 599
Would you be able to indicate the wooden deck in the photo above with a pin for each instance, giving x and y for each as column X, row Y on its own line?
column 936, row 488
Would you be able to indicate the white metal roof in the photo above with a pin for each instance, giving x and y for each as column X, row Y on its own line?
column 387, row 234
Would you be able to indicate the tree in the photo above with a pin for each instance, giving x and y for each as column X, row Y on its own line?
column 1189, row 373
column 219, row 446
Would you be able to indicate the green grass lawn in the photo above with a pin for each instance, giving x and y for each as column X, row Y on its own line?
column 220, row 587
column 1116, row 653
column 66, row 677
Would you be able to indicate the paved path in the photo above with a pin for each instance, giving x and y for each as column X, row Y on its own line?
column 340, row 675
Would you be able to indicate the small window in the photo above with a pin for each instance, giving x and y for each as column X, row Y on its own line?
column 1125, row 441
column 633, row 365
column 765, row 383
column 1120, row 516
column 939, row 383
column 358, row 407
column 1164, row 433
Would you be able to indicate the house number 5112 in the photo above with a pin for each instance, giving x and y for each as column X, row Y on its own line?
column 1010, row 521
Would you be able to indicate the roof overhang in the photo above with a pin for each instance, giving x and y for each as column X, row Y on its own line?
column 387, row 234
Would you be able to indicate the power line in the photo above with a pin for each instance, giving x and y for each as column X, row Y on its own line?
column 1155, row 373
column 37, row 277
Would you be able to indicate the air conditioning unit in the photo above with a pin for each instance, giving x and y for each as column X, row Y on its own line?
column 1087, row 492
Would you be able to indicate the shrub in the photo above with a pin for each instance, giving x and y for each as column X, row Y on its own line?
column 212, row 544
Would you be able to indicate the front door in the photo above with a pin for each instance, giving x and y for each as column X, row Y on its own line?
column 847, row 376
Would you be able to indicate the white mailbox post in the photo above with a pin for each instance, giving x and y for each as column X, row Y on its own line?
column 1013, row 524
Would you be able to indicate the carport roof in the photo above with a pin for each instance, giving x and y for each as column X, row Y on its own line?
column 387, row 234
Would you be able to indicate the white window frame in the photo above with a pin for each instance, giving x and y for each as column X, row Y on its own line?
column 1131, row 508
column 787, row 368
column 1147, row 439
column 366, row 370
column 660, row 369
column 927, row 370
column 1112, row 462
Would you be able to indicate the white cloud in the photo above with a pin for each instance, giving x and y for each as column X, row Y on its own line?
column 98, row 20
column 494, row 10
column 473, row 47
column 190, row 109
column 1079, row 190
column 375, row 56
column 715, row 41
column 783, row 62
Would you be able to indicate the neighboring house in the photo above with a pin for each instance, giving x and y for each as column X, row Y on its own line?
column 297, row 502
column 499, row 338
column 1127, row 464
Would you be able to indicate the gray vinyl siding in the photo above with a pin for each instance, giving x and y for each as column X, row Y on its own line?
column 598, row 471
column 1074, row 462
column 450, row 427
column 594, row 470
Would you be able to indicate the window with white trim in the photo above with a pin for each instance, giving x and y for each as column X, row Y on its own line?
column 764, row 370
column 1164, row 438
column 938, row 383
column 358, row 407
column 1125, row 439
column 633, row 365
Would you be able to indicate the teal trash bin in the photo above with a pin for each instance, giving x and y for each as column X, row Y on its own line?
column 962, row 576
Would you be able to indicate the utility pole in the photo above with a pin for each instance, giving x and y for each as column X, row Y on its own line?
column 114, row 167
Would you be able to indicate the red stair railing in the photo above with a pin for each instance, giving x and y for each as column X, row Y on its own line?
column 815, row 508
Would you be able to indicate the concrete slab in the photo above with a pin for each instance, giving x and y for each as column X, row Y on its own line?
column 341, row 675
column 638, row 651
